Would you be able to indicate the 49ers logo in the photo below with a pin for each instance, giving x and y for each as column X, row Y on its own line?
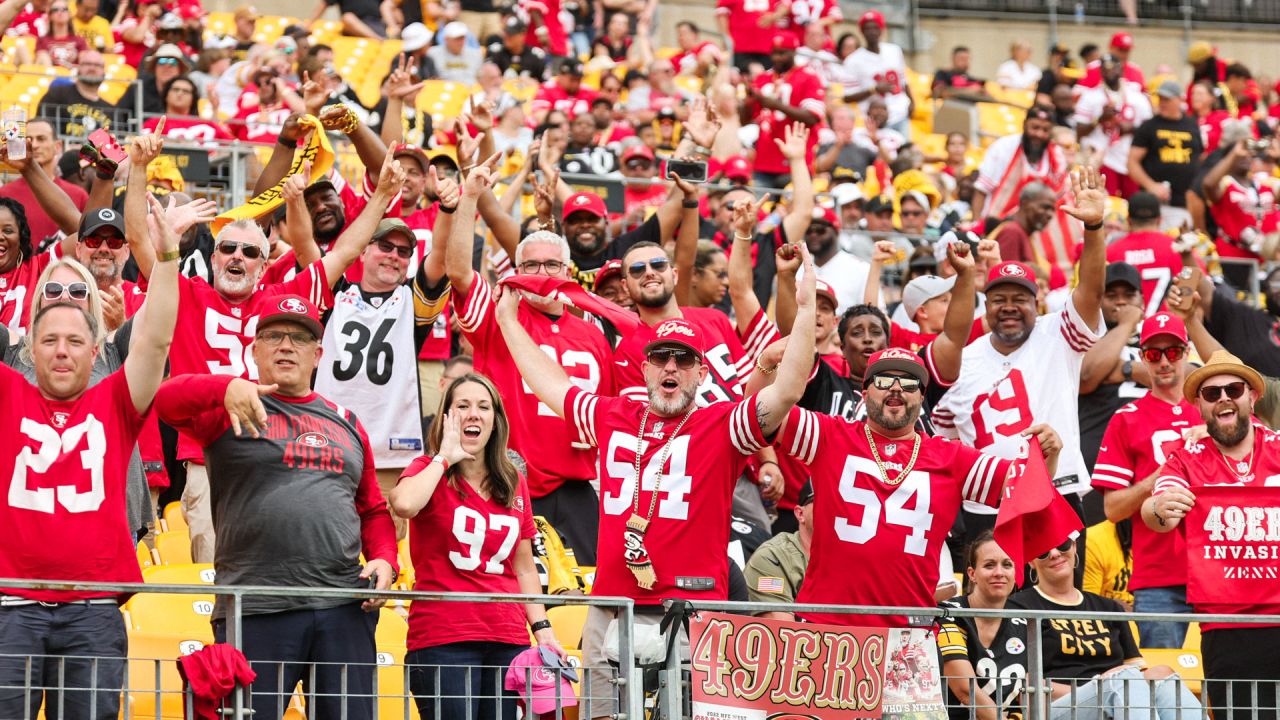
column 293, row 305
column 313, row 439
column 897, row 354
column 675, row 327
column 1013, row 270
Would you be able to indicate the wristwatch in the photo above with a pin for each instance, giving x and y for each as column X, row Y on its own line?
column 1127, row 370
column 543, row 624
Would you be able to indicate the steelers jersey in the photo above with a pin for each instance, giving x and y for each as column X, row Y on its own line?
column 1000, row 668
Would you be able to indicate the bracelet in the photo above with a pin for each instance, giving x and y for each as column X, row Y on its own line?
column 765, row 370
column 701, row 149
column 688, row 204
column 291, row 144
column 446, row 209
column 736, row 236
column 542, row 624
column 444, row 464
column 1093, row 228
column 762, row 463
column 168, row 255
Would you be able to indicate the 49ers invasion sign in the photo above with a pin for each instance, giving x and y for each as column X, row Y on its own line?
column 1233, row 545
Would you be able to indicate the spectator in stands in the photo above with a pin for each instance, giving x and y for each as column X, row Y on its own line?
column 775, row 570
column 1014, row 160
column 1245, row 331
column 482, row 16
column 750, row 36
column 49, row 210
column 710, row 285
column 1110, row 374
column 1054, row 73
column 1096, row 665
column 1108, row 564
column 957, row 77
column 846, row 273
column 264, row 108
column 1206, row 67
column 851, row 207
column 583, row 155
column 814, row 54
column 615, row 43
column 183, row 123
column 59, row 45
column 644, row 103
column 76, row 106
column 454, row 60
column 842, row 150
column 210, row 65
column 94, row 28
column 137, row 30
column 775, row 100
column 1245, row 211
column 1165, row 154
column 1018, row 72
column 513, row 56
column 984, row 660
column 1120, row 47
column 361, row 18
column 913, row 213
column 564, row 92
column 1063, row 101
column 1239, row 92
column 1106, row 116
column 245, row 18
column 165, row 64
column 1148, row 250
column 1037, row 205
column 469, row 480
column 881, row 70
column 697, row 56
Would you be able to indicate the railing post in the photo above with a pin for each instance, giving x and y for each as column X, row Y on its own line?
column 631, row 702
column 236, row 640
column 1037, row 687
column 237, row 175
column 671, row 686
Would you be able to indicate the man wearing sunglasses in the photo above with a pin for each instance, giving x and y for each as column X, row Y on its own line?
column 1137, row 442
column 101, row 247
column 1238, row 452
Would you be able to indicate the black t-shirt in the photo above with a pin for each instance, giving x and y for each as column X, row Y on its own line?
column 1080, row 649
column 956, row 80
column 1250, row 334
column 531, row 63
column 593, row 160
column 1096, row 408
column 829, row 393
column 1173, row 154
column 367, row 10
column 585, row 267
column 77, row 115
column 1000, row 668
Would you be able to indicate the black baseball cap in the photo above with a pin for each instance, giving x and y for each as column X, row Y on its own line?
column 879, row 204
column 323, row 183
column 569, row 66
column 806, row 494
column 93, row 220
column 1123, row 272
column 1144, row 206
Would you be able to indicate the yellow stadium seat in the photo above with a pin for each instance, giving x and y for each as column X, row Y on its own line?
column 393, row 693
column 1192, row 641
column 149, row 652
column 190, row 574
column 220, row 23
column 113, row 90
column 174, row 547
column 443, row 100
column 567, row 621
column 187, row 615
column 173, row 517
column 145, row 560
column 1186, row 663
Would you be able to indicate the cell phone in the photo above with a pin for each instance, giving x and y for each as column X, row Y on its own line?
column 110, row 154
column 689, row 170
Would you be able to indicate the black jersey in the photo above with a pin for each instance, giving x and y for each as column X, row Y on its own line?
column 1000, row 668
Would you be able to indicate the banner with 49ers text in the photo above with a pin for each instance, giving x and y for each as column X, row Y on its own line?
column 1233, row 545
column 747, row 668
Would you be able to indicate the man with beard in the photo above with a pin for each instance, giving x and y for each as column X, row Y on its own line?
column 514, row 57
column 846, row 274
column 1035, row 209
column 880, row 70
column 668, row 467
column 1106, row 117
column 777, row 101
column 1240, row 662
column 1251, row 334
column 564, row 92
column 262, row 120
column 101, row 247
column 1013, row 161
column 883, row 462
column 1110, row 374
column 560, row 466
column 583, row 156
column 1137, row 442
column 1027, row 369
column 76, row 107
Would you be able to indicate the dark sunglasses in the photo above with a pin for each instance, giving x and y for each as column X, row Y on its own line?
column 55, row 290
column 1173, row 353
column 685, row 359
column 1211, row 393
column 1065, row 546
column 886, row 382
column 637, row 268
column 93, row 242
column 389, row 247
column 250, row 252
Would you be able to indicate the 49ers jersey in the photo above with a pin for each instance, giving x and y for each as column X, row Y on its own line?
column 724, row 355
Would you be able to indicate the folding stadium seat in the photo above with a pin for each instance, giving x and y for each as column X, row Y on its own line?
column 443, row 100
column 1186, row 663
column 173, row 517
column 219, row 23
column 174, row 547
column 153, row 679
column 145, row 560
column 187, row 615
column 393, row 692
column 567, row 621
column 1192, row 641
column 192, row 574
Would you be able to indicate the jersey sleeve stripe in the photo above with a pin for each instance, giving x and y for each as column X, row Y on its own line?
column 635, row 392
column 742, row 429
column 584, row 409
column 814, row 105
column 477, row 306
column 1113, row 470
column 1168, row 482
column 1076, row 337
column 805, row 443
column 978, row 483
column 932, row 367
column 1107, row 481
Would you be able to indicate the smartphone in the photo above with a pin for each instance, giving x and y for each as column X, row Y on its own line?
column 110, row 154
column 689, row 170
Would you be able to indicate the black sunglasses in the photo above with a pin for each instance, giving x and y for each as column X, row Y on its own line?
column 389, row 247
column 1211, row 393
column 93, row 242
column 1173, row 353
column 1065, row 546
column 685, row 359
column 251, row 252
column 637, row 268
column 886, row 382
column 55, row 290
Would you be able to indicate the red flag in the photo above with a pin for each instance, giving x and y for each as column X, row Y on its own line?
column 571, row 293
column 1033, row 518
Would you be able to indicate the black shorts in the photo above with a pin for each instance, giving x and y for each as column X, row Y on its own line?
column 1243, row 655
column 574, row 511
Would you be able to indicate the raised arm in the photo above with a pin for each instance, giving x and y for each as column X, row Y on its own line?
column 355, row 238
column 1212, row 183
column 883, row 252
column 546, row 378
column 297, row 231
column 448, row 193
column 793, row 147
column 787, row 259
column 457, row 259
column 368, row 145
column 774, row 402
column 948, row 347
column 142, row 150
column 52, row 199
column 1089, row 204
column 155, row 321
column 742, row 292
column 686, row 240
column 281, row 154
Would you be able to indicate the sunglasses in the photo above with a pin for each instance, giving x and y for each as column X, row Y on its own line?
column 55, row 290
column 1211, row 393
column 1065, row 546
column 167, row 61
column 389, row 247
column 637, row 268
column 1173, row 353
column 275, row 337
column 250, row 252
column 886, row 382
column 93, row 242
column 685, row 359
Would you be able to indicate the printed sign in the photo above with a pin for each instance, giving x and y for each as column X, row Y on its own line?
column 1233, row 545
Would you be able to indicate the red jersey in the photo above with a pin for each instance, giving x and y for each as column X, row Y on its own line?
column 798, row 87
column 744, row 24
column 187, row 128
column 860, row 519
column 1093, row 76
column 729, row 363
column 213, row 335
column 253, row 124
column 686, row 61
column 68, row 466
column 461, row 542
column 806, row 12
column 29, row 22
column 1135, row 446
column 688, row 534
column 1242, row 210
column 551, row 96
column 557, row 42
column 1200, row 463
column 17, row 288
column 134, row 296
column 1153, row 255
column 553, row 449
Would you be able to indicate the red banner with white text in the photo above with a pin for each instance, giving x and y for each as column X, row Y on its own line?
column 1233, row 545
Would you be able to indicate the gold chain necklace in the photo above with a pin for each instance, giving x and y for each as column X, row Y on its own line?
column 884, row 472
column 634, row 551
column 1242, row 470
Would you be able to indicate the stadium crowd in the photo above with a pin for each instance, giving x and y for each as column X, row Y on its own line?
column 827, row 345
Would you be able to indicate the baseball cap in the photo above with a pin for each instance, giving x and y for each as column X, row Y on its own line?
column 323, row 183
column 637, row 150
column 826, row 215
column 1199, row 52
column 1122, row 41
column 386, row 226
column 871, row 16
column 455, row 29
column 1170, row 89
column 247, row 12
column 894, row 358
column 806, row 493
column 514, row 26
column 879, row 204
column 846, row 193
column 786, row 41
column 923, row 289
column 1123, row 272
column 412, row 151
column 676, row 332
column 537, row 682
column 569, row 66
column 1144, row 206
column 1163, row 323
column 737, row 167
column 588, row 202
column 607, row 271
column 919, row 197
column 292, row 308
column 297, row 32
column 91, row 221
column 416, row 36
column 170, row 21
column 825, row 290
column 1012, row 271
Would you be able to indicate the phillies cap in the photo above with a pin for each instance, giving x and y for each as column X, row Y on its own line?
column 292, row 308
column 676, row 332
column 1122, row 41
column 608, row 270
column 826, row 215
column 588, row 202
column 786, row 41
column 871, row 16
column 923, row 289
column 1012, row 271
column 825, row 290
column 91, row 221
column 542, row 688
column 894, row 358
column 737, row 167
column 1123, row 272
column 1163, row 323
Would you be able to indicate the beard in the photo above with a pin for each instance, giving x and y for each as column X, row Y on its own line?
column 1229, row 435
column 655, row 301
column 1033, row 149
column 1014, row 338
column 675, row 406
column 876, row 411
column 105, row 275
column 599, row 237
column 231, row 285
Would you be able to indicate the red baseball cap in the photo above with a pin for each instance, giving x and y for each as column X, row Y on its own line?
column 292, row 308
column 584, row 202
column 638, row 150
column 737, row 167
column 894, row 358
column 606, row 271
column 1012, row 271
column 786, row 41
column 1122, row 41
column 825, row 290
column 676, row 332
column 826, row 215
column 1163, row 323
column 413, row 151
column 871, row 16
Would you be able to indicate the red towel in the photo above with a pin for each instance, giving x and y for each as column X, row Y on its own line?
column 212, row 673
column 1033, row 516
column 568, row 292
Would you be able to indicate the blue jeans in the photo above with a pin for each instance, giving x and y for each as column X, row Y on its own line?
column 463, row 679
column 1126, row 695
column 64, row 644
column 1161, row 600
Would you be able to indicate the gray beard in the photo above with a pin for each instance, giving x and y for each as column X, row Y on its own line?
column 105, row 280
column 678, row 406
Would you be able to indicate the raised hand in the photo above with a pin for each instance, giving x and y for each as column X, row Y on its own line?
column 1089, row 197
column 112, row 307
column 788, row 259
column 468, row 144
column 482, row 177
column 314, row 96
column 686, row 187
column 451, row 440
column 702, row 123
column 446, row 189
column 960, row 258
column 292, row 129
column 401, row 85
column 391, row 177
column 807, row 288
column 795, row 141
column 144, row 148
column 296, row 185
column 164, row 237
column 989, row 252
column 339, row 118
column 180, row 218
column 884, row 252
column 544, row 194
column 745, row 215
column 480, row 115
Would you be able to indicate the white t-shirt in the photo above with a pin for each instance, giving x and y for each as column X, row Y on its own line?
column 1131, row 105
column 847, row 276
column 1019, row 77
column 868, row 68
column 998, row 396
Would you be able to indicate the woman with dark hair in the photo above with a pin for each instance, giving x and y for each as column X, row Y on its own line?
column 471, row 529
column 135, row 26
column 181, row 100
column 60, row 46
column 710, row 277
column 846, row 44
column 20, row 266
column 615, row 42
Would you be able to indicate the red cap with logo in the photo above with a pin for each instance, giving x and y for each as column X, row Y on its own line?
column 1012, row 271
column 676, row 332
column 826, row 215
column 786, row 41
column 292, row 308
column 640, row 150
column 585, row 202
column 608, row 270
column 737, row 167
column 825, row 290
column 1122, row 41
column 1163, row 323
column 414, row 151
column 871, row 16
column 899, row 359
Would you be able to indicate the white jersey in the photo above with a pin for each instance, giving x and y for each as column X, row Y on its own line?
column 370, row 367
column 888, row 65
column 998, row 396
column 1131, row 105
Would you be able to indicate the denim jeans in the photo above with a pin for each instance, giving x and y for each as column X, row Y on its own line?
column 65, row 644
column 1126, row 695
column 1161, row 600
column 463, row 679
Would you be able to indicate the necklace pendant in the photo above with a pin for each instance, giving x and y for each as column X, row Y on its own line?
column 891, row 448
column 1242, row 467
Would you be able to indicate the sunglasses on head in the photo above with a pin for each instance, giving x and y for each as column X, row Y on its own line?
column 250, row 252
column 55, row 290
column 93, row 242
column 1211, row 393
column 886, row 382
column 389, row 247
column 685, row 359
column 1173, row 353
column 1065, row 546
column 637, row 268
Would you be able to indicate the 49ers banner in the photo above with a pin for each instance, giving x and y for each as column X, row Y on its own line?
column 1233, row 545
column 747, row 668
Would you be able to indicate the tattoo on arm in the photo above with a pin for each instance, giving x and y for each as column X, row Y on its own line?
column 762, row 414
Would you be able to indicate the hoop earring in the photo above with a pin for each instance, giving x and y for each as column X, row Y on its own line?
column 1032, row 577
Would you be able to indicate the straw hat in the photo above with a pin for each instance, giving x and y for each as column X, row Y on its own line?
column 1220, row 363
